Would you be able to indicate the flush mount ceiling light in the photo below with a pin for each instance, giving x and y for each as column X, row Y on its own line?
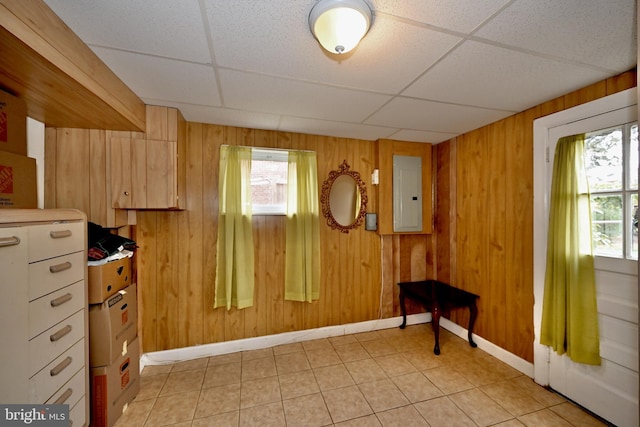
column 339, row 25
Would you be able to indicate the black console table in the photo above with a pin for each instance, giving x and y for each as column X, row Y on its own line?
column 437, row 297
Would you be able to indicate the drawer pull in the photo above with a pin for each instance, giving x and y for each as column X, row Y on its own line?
column 9, row 241
column 63, row 397
column 61, row 333
column 60, row 267
column 61, row 366
column 60, row 234
column 61, row 300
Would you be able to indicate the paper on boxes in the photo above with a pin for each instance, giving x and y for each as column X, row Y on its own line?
column 13, row 124
column 114, row 386
column 17, row 181
column 112, row 326
column 107, row 279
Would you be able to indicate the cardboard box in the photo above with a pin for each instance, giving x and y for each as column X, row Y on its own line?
column 107, row 279
column 13, row 124
column 112, row 327
column 114, row 386
column 17, row 181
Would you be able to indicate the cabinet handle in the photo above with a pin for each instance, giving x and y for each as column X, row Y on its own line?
column 9, row 241
column 61, row 300
column 61, row 366
column 63, row 397
column 60, row 267
column 61, row 333
column 60, row 234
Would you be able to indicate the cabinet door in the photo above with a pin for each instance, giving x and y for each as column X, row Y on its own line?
column 14, row 290
column 120, row 164
column 161, row 170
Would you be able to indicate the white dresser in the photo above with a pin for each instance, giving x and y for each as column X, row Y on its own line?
column 43, row 309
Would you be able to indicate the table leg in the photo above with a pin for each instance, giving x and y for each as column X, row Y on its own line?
column 403, row 310
column 472, row 320
column 435, row 323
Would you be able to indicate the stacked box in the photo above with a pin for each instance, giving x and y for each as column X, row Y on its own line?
column 17, row 171
column 114, row 349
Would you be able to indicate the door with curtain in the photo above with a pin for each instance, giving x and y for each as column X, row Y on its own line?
column 611, row 389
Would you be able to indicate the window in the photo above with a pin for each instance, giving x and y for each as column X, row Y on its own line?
column 269, row 181
column 611, row 161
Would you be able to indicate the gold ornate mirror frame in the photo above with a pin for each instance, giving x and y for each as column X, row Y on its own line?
column 325, row 198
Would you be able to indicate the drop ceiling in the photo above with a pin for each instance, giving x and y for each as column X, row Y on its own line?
column 428, row 70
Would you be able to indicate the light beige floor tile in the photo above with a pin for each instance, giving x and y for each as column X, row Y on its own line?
column 379, row 347
column 292, row 362
column 367, row 336
column 402, row 417
column 512, row 398
column 479, row 407
column 448, row 380
column 258, row 368
column 180, row 382
column 189, row 365
column 383, row 395
column 257, row 354
column 544, row 418
column 442, row 412
column 575, row 415
column 156, row 370
column 422, row 359
column 150, row 386
column 342, row 340
column 288, row 348
column 510, row 423
column 416, row 387
column 368, row 421
column 298, row 384
column 323, row 357
column 136, row 414
column 173, row 409
column 346, row 403
column 365, row 370
column 395, row 364
column 218, row 400
column 223, row 359
column 260, row 392
column 229, row 419
column 545, row 397
column 269, row 415
column 316, row 344
column 217, row 375
column 351, row 352
column 334, row 376
column 306, row 411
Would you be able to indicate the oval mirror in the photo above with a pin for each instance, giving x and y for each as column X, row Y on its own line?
column 344, row 199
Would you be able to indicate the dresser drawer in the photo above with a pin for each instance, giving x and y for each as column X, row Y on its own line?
column 54, row 273
column 78, row 414
column 45, row 383
column 54, row 341
column 54, row 307
column 71, row 392
column 51, row 240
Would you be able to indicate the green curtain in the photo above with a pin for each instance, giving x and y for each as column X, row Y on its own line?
column 234, row 267
column 302, row 260
column 569, row 310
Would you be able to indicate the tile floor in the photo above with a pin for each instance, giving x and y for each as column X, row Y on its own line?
column 384, row 378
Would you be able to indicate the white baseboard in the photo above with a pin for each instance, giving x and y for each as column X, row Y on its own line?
column 207, row 350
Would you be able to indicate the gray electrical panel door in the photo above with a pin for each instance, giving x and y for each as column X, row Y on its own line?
column 407, row 193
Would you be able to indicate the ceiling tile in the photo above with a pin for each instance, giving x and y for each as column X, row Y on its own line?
column 167, row 28
column 601, row 33
column 380, row 63
column 487, row 76
column 415, row 114
column 163, row 79
column 333, row 128
column 228, row 117
column 266, row 94
column 457, row 15
column 422, row 136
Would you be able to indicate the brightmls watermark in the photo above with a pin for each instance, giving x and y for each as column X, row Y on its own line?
column 34, row 415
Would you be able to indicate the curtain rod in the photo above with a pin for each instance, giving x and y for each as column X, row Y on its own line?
column 269, row 148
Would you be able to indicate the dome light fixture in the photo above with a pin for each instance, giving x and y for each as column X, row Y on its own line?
column 339, row 25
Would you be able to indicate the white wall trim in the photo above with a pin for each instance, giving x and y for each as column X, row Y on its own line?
column 195, row 352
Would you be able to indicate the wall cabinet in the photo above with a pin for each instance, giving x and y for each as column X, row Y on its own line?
column 43, row 305
column 405, row 187
column 148, row 171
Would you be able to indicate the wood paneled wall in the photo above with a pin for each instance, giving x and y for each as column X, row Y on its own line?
column 177, row 262
column 484, row 218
